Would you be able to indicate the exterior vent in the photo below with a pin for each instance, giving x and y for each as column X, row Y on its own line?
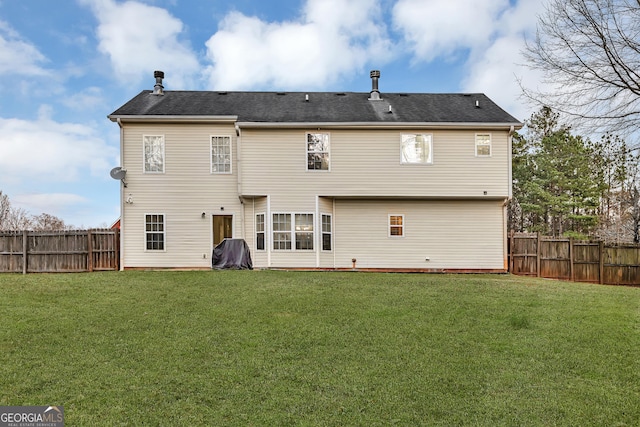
column 158, row 89
column 375, row 93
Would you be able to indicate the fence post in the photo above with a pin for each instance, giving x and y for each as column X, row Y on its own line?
column 538, row 254
column 117, row 247
column 601, row 259
column 90, row 251
column 25, row 236
column 571, row 260
column 511, row 239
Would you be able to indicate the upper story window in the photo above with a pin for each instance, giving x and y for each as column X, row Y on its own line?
column 416, row 149
column 483, row 144
column 154, row 232
column 153, row 146
column 220, row 154
column 396, row 225
column 318, row 151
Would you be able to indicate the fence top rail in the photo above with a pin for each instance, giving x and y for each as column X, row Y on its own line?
column 56, row 232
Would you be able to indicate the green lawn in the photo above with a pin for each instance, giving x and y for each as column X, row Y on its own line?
column 272, row 348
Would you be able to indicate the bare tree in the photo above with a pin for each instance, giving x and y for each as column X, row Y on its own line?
column 589, row 54
column 19, row 219
column 5, row 210
column 47, row 222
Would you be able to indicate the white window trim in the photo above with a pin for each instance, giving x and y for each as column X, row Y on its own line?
column 164, row 158
column 403, row 163
column 264, row 231
column 490, row 145
column 322, row 233
column 389, row 226
column 292, row 232
column 164, row 232
column 306, row 152
column 211, row 154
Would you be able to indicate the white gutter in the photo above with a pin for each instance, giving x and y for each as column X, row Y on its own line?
column 378, row 125
column 169, row 118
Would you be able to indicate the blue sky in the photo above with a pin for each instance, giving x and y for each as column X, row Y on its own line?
column 66, row 64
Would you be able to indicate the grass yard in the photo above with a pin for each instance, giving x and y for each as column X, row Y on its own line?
column 273, row 348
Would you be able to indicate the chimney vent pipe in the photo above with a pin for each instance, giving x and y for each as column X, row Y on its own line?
column 375, row 93
column 158, row 89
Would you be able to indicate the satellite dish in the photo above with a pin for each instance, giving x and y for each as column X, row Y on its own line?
column 118, row 173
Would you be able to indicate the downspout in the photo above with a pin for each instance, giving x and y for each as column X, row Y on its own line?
column 333, row 230
column 317, row 236
column 122, row 226
column 239, row 178
column 505, row 209
column 267, row 228
column 510, row 161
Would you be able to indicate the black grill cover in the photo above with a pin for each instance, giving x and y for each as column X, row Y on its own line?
column 232, row 254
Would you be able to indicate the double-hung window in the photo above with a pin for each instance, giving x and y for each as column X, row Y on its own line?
column 260, row 243
column 483, row 145
column 281, row 231
column 416, row 149
column 154, row 232
column 153, row 146
column 326, row 232
column 304, row 232
column 220, row 154
column 292, row 231
column 318, row 151
column 396, row 225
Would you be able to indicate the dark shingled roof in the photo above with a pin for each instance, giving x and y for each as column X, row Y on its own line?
column 322, row 107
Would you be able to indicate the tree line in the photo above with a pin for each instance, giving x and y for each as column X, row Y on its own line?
column 17, row 219
column 568, row 185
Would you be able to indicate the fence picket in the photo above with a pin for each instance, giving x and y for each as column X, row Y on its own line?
column 564, row 258
column 60, row 251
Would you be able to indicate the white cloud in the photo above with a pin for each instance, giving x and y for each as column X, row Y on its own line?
column 442, row 28
column 485, row 37
column 139, row 38
column 90, row 98
column 17, row 56
column 51, row 151
column 48, row 202
column 331, row 40
column 496, row 69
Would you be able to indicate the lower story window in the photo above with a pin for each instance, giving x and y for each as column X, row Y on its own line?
column 304, row 232
column 260, row 232
column 326, row 232
column 396, row 225
column 154, row 232
column 281, row 231
column 292, row 231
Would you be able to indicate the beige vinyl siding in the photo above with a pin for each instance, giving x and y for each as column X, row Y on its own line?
column 452, row 234
column 326, row 258
column 182, row 193
column 258, row 206
column 367, row 163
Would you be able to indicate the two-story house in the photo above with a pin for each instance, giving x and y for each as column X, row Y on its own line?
column 326, row 180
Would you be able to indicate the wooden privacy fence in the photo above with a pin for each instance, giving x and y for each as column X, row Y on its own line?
column 568, row 259
column 59, row 251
